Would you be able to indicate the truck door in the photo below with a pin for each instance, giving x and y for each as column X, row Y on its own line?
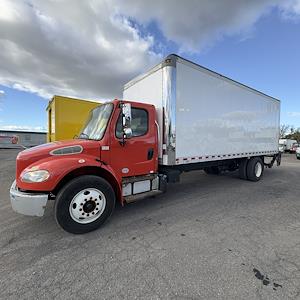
column 138, row 155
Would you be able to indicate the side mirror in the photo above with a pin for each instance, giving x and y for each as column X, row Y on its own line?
column 126, row 120
column 127, row 133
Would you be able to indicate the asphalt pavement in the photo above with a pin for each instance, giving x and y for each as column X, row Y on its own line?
column 208, row 237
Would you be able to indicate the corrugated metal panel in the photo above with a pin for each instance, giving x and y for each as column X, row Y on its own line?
column 21, row 139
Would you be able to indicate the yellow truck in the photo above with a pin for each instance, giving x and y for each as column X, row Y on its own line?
column 66, row 116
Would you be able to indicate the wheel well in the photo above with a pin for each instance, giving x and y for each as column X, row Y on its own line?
column 243, row 158
column 90, row 171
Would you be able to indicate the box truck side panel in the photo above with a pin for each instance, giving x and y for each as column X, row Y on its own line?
column 149, row 90
column 216, row 116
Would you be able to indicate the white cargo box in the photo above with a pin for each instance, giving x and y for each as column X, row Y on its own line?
column 204, row 116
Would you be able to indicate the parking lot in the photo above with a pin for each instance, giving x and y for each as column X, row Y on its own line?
column 209, row 237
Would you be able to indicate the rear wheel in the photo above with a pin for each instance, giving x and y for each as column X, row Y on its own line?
column 255, row 169
column 84, row 204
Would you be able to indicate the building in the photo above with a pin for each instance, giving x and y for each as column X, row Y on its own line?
column 21, row 139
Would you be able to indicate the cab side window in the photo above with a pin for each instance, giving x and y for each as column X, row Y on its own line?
column 139, row 123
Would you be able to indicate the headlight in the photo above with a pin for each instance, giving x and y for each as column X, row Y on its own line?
column 35, row 176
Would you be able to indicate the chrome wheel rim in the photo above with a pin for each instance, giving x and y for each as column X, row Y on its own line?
column 258, row 169
column 87, row 206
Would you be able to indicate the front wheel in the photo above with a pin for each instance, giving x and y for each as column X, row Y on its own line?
column 84, row 204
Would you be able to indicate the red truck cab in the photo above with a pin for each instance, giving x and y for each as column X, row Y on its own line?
column 114, row 158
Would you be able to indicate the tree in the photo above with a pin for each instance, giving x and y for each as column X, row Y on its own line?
column 294, row 134
column 284, row 130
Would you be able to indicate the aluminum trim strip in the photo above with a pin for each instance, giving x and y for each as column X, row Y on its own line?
column 169, row 104
column 188, row 160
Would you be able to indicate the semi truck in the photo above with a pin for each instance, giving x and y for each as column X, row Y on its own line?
column 177, row 117
column 66, row 116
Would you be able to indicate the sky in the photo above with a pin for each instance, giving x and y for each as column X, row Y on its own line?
column 89, row 49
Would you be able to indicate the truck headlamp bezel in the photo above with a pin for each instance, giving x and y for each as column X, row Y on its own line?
column 35, row 176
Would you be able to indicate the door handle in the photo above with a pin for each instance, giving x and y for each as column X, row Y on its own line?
column 150, row 153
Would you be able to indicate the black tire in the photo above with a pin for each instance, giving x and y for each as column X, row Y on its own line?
column 251, row 169
column 298, row 157
column 68, row 192
column 243, row 169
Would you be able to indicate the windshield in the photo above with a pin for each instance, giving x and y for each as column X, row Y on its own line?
column 97, row 122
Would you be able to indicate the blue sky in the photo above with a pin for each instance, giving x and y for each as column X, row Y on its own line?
column 265, row 57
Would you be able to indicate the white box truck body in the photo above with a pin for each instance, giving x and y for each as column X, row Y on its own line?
column 204, row 116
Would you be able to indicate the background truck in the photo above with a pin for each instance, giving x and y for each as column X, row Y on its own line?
column 66, row 116
column 286, row 145
column 180, row 117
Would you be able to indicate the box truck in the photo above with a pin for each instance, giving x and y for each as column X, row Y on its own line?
column 177, row 117
column 286, row 145
column 66, row 116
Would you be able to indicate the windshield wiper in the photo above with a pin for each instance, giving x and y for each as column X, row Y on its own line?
column 84, row 136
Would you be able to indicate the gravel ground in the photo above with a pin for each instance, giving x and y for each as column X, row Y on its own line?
column 209, row 237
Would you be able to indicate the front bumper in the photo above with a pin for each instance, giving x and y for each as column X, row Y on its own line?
column 28, row 204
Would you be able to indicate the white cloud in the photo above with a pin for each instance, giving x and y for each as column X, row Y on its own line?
column 75, row 48
column 2, row 93
column 90, row 48
column 195, row 23
column 290, row 9
column 23, row 128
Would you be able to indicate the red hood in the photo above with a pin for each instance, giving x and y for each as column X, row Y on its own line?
column 31, row 155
